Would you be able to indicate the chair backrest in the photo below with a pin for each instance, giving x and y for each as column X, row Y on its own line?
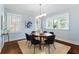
column 44, row 31
column 33, row 31
column 52, row 33
column 32, row 39
column 27, row 36
column 50, row 39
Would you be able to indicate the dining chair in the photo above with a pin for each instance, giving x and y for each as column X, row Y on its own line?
column 51, row 33
column 44, row 31
column 34, row 42
column 49, row 41
column 33, row 31
column 28, row 39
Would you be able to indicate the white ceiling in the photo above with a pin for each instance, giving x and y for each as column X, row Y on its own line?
column 34, row 9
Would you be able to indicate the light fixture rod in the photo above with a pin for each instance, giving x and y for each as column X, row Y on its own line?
column 40, row 8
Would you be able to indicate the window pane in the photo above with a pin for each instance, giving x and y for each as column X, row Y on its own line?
column 13, row 22
column 64, row 22
column 58, row 22
column 38, row 24
column 49, row 23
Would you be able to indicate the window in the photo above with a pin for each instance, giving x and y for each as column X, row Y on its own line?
column 38, row 25
column 13, row 22
column 58, row 22
column 1, row 24
column 49, row 23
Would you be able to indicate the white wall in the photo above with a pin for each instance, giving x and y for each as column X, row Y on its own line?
column 70, row 35
column 19, row 35
column 32, row 19
column 74, row 24
column 1, row 39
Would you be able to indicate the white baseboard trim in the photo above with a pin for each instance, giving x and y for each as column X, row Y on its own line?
column 15, row 39
column 69, row 41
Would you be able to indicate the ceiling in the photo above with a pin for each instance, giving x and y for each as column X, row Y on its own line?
column 34, row 9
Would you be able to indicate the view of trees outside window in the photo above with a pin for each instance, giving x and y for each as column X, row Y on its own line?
column 13, row 23
column 58, row 22
column 49, row 23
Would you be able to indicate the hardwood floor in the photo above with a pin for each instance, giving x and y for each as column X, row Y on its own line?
column 13, row 48
column 74, row 48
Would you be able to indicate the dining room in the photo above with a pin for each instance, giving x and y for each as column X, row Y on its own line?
column 39, row 28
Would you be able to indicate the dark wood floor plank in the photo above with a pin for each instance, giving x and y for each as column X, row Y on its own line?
column 74, row 48
column 13, row 48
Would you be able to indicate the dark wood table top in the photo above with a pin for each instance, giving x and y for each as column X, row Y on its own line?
column 42, row 34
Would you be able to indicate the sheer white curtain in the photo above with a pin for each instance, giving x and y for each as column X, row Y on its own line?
column 13, row 23
column 38, row 25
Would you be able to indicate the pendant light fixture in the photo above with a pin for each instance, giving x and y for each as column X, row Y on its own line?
column 41, row 14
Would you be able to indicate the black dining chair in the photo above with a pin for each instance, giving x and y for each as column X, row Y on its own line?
column 49, row 41
column 34, row 42
column 44, row 31
column 51, row 33
column 28, row 39
column 33, row 31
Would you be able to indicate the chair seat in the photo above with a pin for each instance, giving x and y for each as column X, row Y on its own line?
column 36, row 42
column 48, row 42
column 27, row 37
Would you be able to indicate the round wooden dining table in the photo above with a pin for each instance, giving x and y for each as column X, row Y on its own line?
column 41, row 36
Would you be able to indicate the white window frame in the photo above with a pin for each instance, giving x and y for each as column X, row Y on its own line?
column 38, row 25
column 17, row 23
column 65, row 15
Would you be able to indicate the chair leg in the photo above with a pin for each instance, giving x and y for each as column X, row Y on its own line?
column 34, row 50
column 30, row 45
column 54, row 46
column 49, row 49
column 42, row 47
column 27, row 43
